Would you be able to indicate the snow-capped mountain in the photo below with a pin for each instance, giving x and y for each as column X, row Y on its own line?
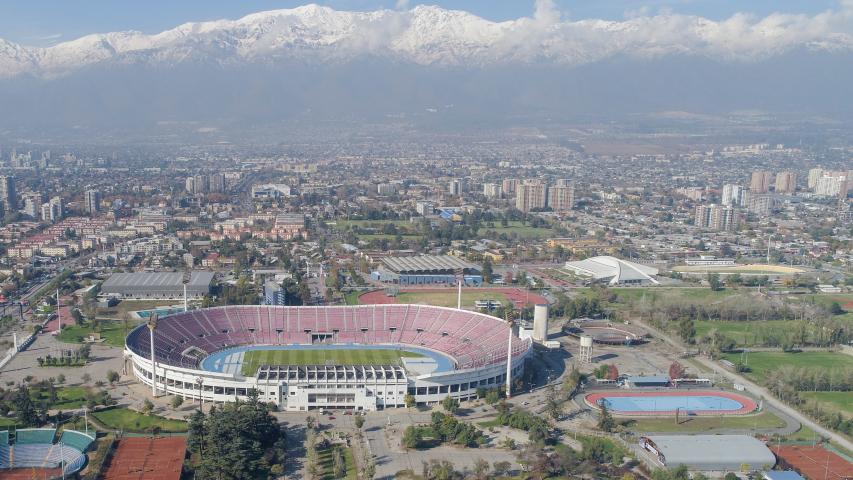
column 429, row 35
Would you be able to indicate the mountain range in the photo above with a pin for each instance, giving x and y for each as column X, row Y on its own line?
column 383, row 63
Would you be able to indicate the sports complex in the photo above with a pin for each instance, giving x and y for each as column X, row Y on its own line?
column 365, row 357
column 660, row 403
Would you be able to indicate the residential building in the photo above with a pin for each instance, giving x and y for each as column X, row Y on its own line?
column 733, row 195
column 531, row 195
column 561, row 198
column 491, row 190
column 786, row 182
column 760, row 181
column 8, row 195
column 93, row 201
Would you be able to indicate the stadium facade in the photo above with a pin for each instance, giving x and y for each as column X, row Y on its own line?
column 198, row 354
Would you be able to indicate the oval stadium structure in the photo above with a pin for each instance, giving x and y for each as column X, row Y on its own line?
column 349, row 357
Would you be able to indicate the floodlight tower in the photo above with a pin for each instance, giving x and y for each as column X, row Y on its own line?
column 152, row 324
column 509, row 321
column 185, row 280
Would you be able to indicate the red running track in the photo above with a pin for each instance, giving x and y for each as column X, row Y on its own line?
column 517, row 296
column 749, row 406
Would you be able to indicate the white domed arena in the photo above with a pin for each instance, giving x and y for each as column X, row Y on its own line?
column 366, row 357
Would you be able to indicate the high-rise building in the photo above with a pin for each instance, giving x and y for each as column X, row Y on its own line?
column 733, row 195
column 786, row 182
column 32, row 202
column 93, row 201
column 831, row 184
column 52, row 210
column 702, row 216
column 8, row 195
column 491, row 190
column 455, row 187
column 386, row 189
column 760, row 181
column 217, row 182
column 761, row 204
column 561, row 198
column 814, row 175
column 189, row 185
column 508, row 186
column 723, row 219
column 531, row 195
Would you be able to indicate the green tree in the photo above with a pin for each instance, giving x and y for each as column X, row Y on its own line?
column 112, row 377
column 25, row 410
column 359, row 421
column 147, row 407
column 412, row 437
column 605, row 419
column 450, row 405
column 177, row 401
column 409, row 400
column 487, row 270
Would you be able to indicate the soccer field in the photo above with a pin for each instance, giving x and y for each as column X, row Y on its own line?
column 255, row 358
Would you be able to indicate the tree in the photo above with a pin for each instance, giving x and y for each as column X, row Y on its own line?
column 612, row 372
column 60, row 379
column 481, row 470
column 502, row 468
column 731, row 476
column 493, row 396
column 24, row 407
column 177, row 401
column 450, row 405
column 553, row 405
column 835, row 309
column 359, row 421
column 686, row 329
column 412, row 437
column 605, row 419
column 147, row 407
column 86, row 378
column 714, row 282
column 676, row 370
column 409, row 400
column 487, row 270
column 112, row 377
column 339, row 468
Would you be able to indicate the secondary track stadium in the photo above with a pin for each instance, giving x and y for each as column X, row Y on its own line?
column 364, row 357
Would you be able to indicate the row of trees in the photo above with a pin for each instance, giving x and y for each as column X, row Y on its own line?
column 77, row 357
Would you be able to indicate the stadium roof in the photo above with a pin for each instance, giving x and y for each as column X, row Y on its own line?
column 613, row 270
column 427, row 263
column 787, row 475
column 713, row 452
column 156, row 283
column 157, row 280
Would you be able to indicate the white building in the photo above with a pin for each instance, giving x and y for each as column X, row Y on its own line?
column 613, row 271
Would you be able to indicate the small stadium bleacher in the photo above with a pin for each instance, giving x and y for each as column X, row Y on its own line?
column 35, row 448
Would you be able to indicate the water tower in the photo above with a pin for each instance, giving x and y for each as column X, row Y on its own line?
column 586, row 349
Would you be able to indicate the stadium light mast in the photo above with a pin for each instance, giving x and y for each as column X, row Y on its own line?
column 509, row 355
column 58, row 313
column 152, row 324
column 459, row 296
column 185, row 280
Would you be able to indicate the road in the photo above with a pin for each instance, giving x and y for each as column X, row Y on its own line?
column 755, row 389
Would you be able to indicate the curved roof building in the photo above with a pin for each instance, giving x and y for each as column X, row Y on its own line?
column 613, row 271
column 710, row 452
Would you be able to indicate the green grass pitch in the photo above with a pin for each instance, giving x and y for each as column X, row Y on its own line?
column 255, row 358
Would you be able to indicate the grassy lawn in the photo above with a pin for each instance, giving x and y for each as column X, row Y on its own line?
column 67, row 398
column 449, row 298
column 704, row 424
column 761, row 363
column 845, row 300
column 326, row 460
column 516, row 228
column 133, row 421
column 658, row 293
column 112, row 333
column 5, row 423
column 351, row 298
column 833, row 401
column 743, row 333
column 256, row 358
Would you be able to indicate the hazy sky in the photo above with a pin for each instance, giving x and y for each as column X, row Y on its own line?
column 45, row 22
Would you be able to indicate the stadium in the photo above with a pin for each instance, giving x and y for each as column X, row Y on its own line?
column 366, row 357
